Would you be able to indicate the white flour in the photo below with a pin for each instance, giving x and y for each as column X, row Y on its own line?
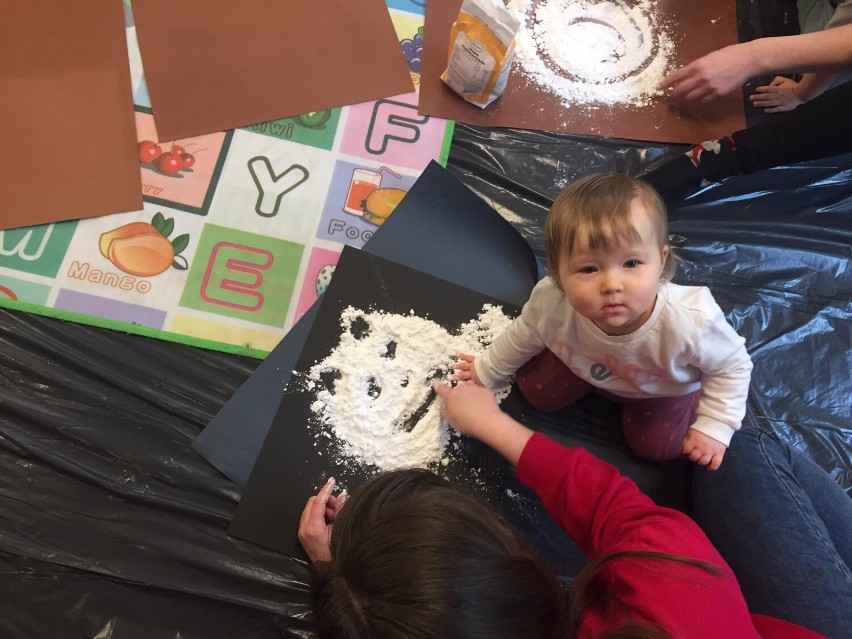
column 378, row 410
column 593, row 51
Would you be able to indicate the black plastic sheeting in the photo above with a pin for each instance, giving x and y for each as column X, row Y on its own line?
column 111, row 526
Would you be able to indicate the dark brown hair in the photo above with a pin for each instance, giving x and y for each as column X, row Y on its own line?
column 600, row 206
column 414, row 557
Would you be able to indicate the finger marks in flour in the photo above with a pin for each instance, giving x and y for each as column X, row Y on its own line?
column 593, row 51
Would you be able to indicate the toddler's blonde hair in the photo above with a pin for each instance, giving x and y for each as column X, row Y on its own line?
column 600, row 205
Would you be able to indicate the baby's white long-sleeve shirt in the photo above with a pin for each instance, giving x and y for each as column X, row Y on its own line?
column 686, row 345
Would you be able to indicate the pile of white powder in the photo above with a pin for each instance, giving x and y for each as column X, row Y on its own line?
column 374, row 396
column 593, row 51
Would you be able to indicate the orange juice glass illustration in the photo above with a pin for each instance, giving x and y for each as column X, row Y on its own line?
column 362, row 184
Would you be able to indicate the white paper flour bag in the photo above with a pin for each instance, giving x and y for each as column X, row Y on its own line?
column 482, row 47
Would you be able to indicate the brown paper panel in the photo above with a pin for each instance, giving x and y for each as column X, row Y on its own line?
column 217, row 65
column 67, row 128
column 698, row 27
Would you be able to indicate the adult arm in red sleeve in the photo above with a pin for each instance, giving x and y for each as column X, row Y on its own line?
column 599, row 508
column 602, row 510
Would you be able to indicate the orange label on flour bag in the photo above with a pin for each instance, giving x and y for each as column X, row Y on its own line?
column 482, row 47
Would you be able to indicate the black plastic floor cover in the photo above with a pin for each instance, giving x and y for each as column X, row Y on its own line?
column 111, row 526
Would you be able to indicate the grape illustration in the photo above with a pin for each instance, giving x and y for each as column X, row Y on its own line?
column 412, row 49
column 408, row 48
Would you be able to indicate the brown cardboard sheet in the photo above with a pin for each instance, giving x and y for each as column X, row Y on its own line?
column 222, row 64
column 67, row 133
column 697, row 27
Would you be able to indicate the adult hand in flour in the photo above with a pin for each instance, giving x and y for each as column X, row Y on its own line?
column 317, row 521
column 464, row 370
column 724, row 71
column 472, row 410
column 711, row 76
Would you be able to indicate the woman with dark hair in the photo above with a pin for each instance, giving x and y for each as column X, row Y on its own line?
column 411, row 556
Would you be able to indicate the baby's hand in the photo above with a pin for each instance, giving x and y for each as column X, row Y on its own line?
column 703, row 449
column 464, row 370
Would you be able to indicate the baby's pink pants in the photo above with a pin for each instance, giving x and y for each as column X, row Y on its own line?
column 654, row 427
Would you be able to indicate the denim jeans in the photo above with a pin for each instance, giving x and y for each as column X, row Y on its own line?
column 785, row 527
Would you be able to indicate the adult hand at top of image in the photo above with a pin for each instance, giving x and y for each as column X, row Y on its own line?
column 464, row 370
column 782, row 94
column 723, row 71
column 317, row 521
column 711, row 76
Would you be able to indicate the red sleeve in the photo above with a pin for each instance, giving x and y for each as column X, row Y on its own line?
column 605, row 512
column 602, row 510
column 772, row 628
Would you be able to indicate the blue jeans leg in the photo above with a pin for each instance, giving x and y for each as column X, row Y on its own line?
column 785, row 528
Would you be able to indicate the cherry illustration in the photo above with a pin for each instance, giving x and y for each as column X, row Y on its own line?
column 187, row 160
column 169, row 164
column 148, row 151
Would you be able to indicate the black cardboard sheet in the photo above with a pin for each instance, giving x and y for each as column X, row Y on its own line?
column 295, row 461
column 231, row 441
column 439, row 228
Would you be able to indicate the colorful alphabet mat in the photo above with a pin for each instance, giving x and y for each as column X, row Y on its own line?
column 240, row 230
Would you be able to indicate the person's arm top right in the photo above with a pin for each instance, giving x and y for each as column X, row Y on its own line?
column 725, row 70
column 827, row 50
